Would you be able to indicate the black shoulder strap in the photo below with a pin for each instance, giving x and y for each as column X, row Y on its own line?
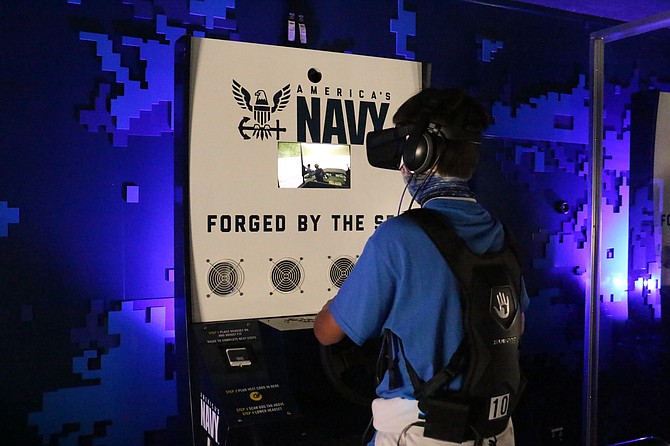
column 446, row 240
column 440, row 379
column 387, row 362
column 454, row 250
column 452, row 247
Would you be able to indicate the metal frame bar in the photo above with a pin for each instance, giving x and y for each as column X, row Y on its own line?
column 598, row 40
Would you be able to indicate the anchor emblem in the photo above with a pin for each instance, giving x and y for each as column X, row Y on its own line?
column 257, row 130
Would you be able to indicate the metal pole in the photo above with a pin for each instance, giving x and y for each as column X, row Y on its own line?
column 634, row 28
column 592, row 307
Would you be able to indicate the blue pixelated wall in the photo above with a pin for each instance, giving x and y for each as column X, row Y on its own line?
column 132, row 373
column 86, row 199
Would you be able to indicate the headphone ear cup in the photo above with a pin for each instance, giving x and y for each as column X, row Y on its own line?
column 421, row 150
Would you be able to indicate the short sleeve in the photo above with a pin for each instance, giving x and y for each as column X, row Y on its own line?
column 363, row 303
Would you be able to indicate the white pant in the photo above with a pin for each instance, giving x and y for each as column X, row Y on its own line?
column 392, row 416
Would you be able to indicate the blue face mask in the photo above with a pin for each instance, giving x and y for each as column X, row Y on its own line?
column 414, row 182
column 423, row 187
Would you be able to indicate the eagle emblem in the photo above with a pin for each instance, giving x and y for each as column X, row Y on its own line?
column 261, row 109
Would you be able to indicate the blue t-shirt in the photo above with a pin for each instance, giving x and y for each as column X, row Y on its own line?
column 402, row 282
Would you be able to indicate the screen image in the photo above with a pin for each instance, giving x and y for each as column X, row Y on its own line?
column 312, row 165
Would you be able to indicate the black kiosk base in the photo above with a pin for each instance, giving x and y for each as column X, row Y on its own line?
column 261, row 382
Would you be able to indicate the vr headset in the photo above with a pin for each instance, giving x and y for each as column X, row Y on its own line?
column 414, row 146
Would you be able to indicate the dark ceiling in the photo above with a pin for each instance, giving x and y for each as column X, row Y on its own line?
column 622, row 10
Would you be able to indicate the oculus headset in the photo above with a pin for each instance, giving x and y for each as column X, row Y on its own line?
column 416, row 146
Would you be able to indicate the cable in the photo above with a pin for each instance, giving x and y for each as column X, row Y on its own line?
column 364, row 440
column 402, row 197
column 407, row 428
column 429, row 175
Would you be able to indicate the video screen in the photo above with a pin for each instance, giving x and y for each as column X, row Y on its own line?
column 303, row 165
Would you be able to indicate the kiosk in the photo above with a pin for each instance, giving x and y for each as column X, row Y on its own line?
column 277, row 200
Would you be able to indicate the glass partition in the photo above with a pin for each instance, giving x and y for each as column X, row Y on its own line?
column 627, row 348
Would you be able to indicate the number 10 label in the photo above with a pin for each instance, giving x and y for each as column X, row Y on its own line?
column 499, row 406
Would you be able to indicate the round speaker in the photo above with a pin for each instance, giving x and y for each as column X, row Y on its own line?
column 286, row 275
column 340, row 269
column 225, row 278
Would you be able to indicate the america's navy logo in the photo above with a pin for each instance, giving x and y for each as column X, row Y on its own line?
column 261, row 109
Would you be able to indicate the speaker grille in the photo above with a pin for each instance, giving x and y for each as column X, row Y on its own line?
column 286, row 275
column 340, row 269
column 225, row 278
